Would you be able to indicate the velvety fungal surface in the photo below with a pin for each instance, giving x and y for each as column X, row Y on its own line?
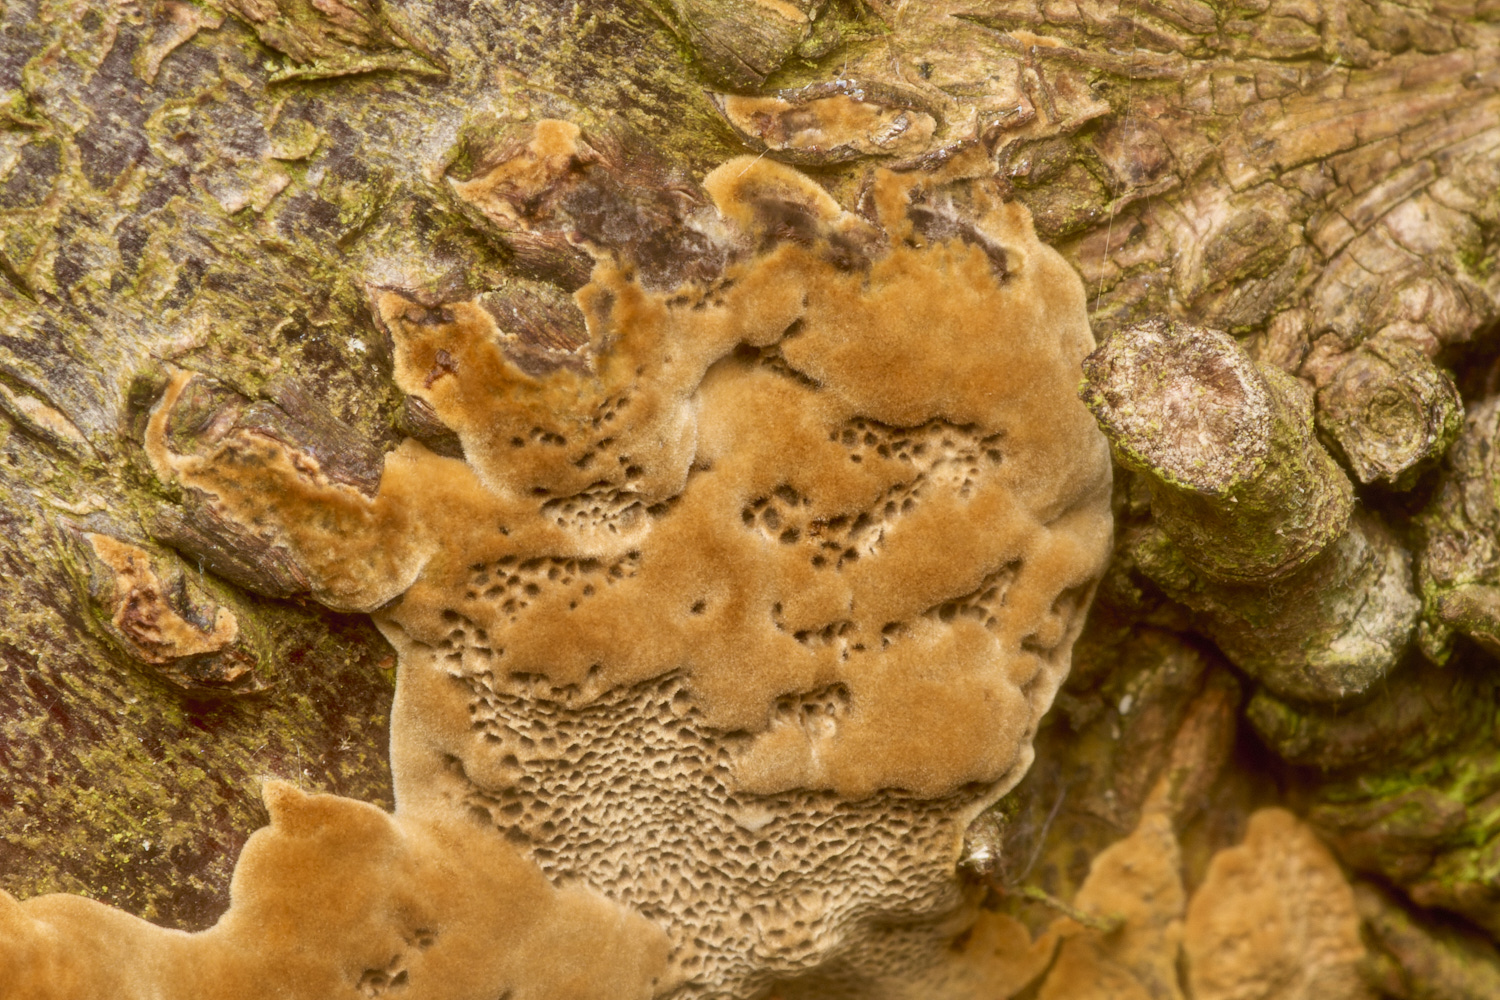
column 739, row 601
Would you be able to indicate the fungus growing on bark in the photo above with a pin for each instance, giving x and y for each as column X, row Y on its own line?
column 337, row 899
column 745, row 597
column 1136, row 883
column 182, row 629
column 1274, row 919
column 830, row 122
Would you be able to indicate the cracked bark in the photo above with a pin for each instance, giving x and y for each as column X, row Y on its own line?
column 219, row 188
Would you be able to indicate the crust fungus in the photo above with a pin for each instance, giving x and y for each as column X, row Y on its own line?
column 154, row 612
column 830, row 122
column 745, row 597
column 1118, row 941
column 1275, row 918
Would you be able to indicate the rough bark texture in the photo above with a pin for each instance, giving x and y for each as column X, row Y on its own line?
column 1306, row 187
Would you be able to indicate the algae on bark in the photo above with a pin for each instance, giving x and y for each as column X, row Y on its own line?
column 217, row 186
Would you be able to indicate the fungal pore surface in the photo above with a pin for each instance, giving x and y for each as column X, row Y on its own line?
column 744, row 597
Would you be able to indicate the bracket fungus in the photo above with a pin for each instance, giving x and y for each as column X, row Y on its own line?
column 742, row 599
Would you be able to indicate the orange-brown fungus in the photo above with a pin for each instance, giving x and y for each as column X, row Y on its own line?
column 829, row 123
column 145, row 617
column 745, row 598
column 1275, row 919
column 337, row 900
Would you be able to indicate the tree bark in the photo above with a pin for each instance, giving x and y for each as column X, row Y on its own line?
column 224, row 188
